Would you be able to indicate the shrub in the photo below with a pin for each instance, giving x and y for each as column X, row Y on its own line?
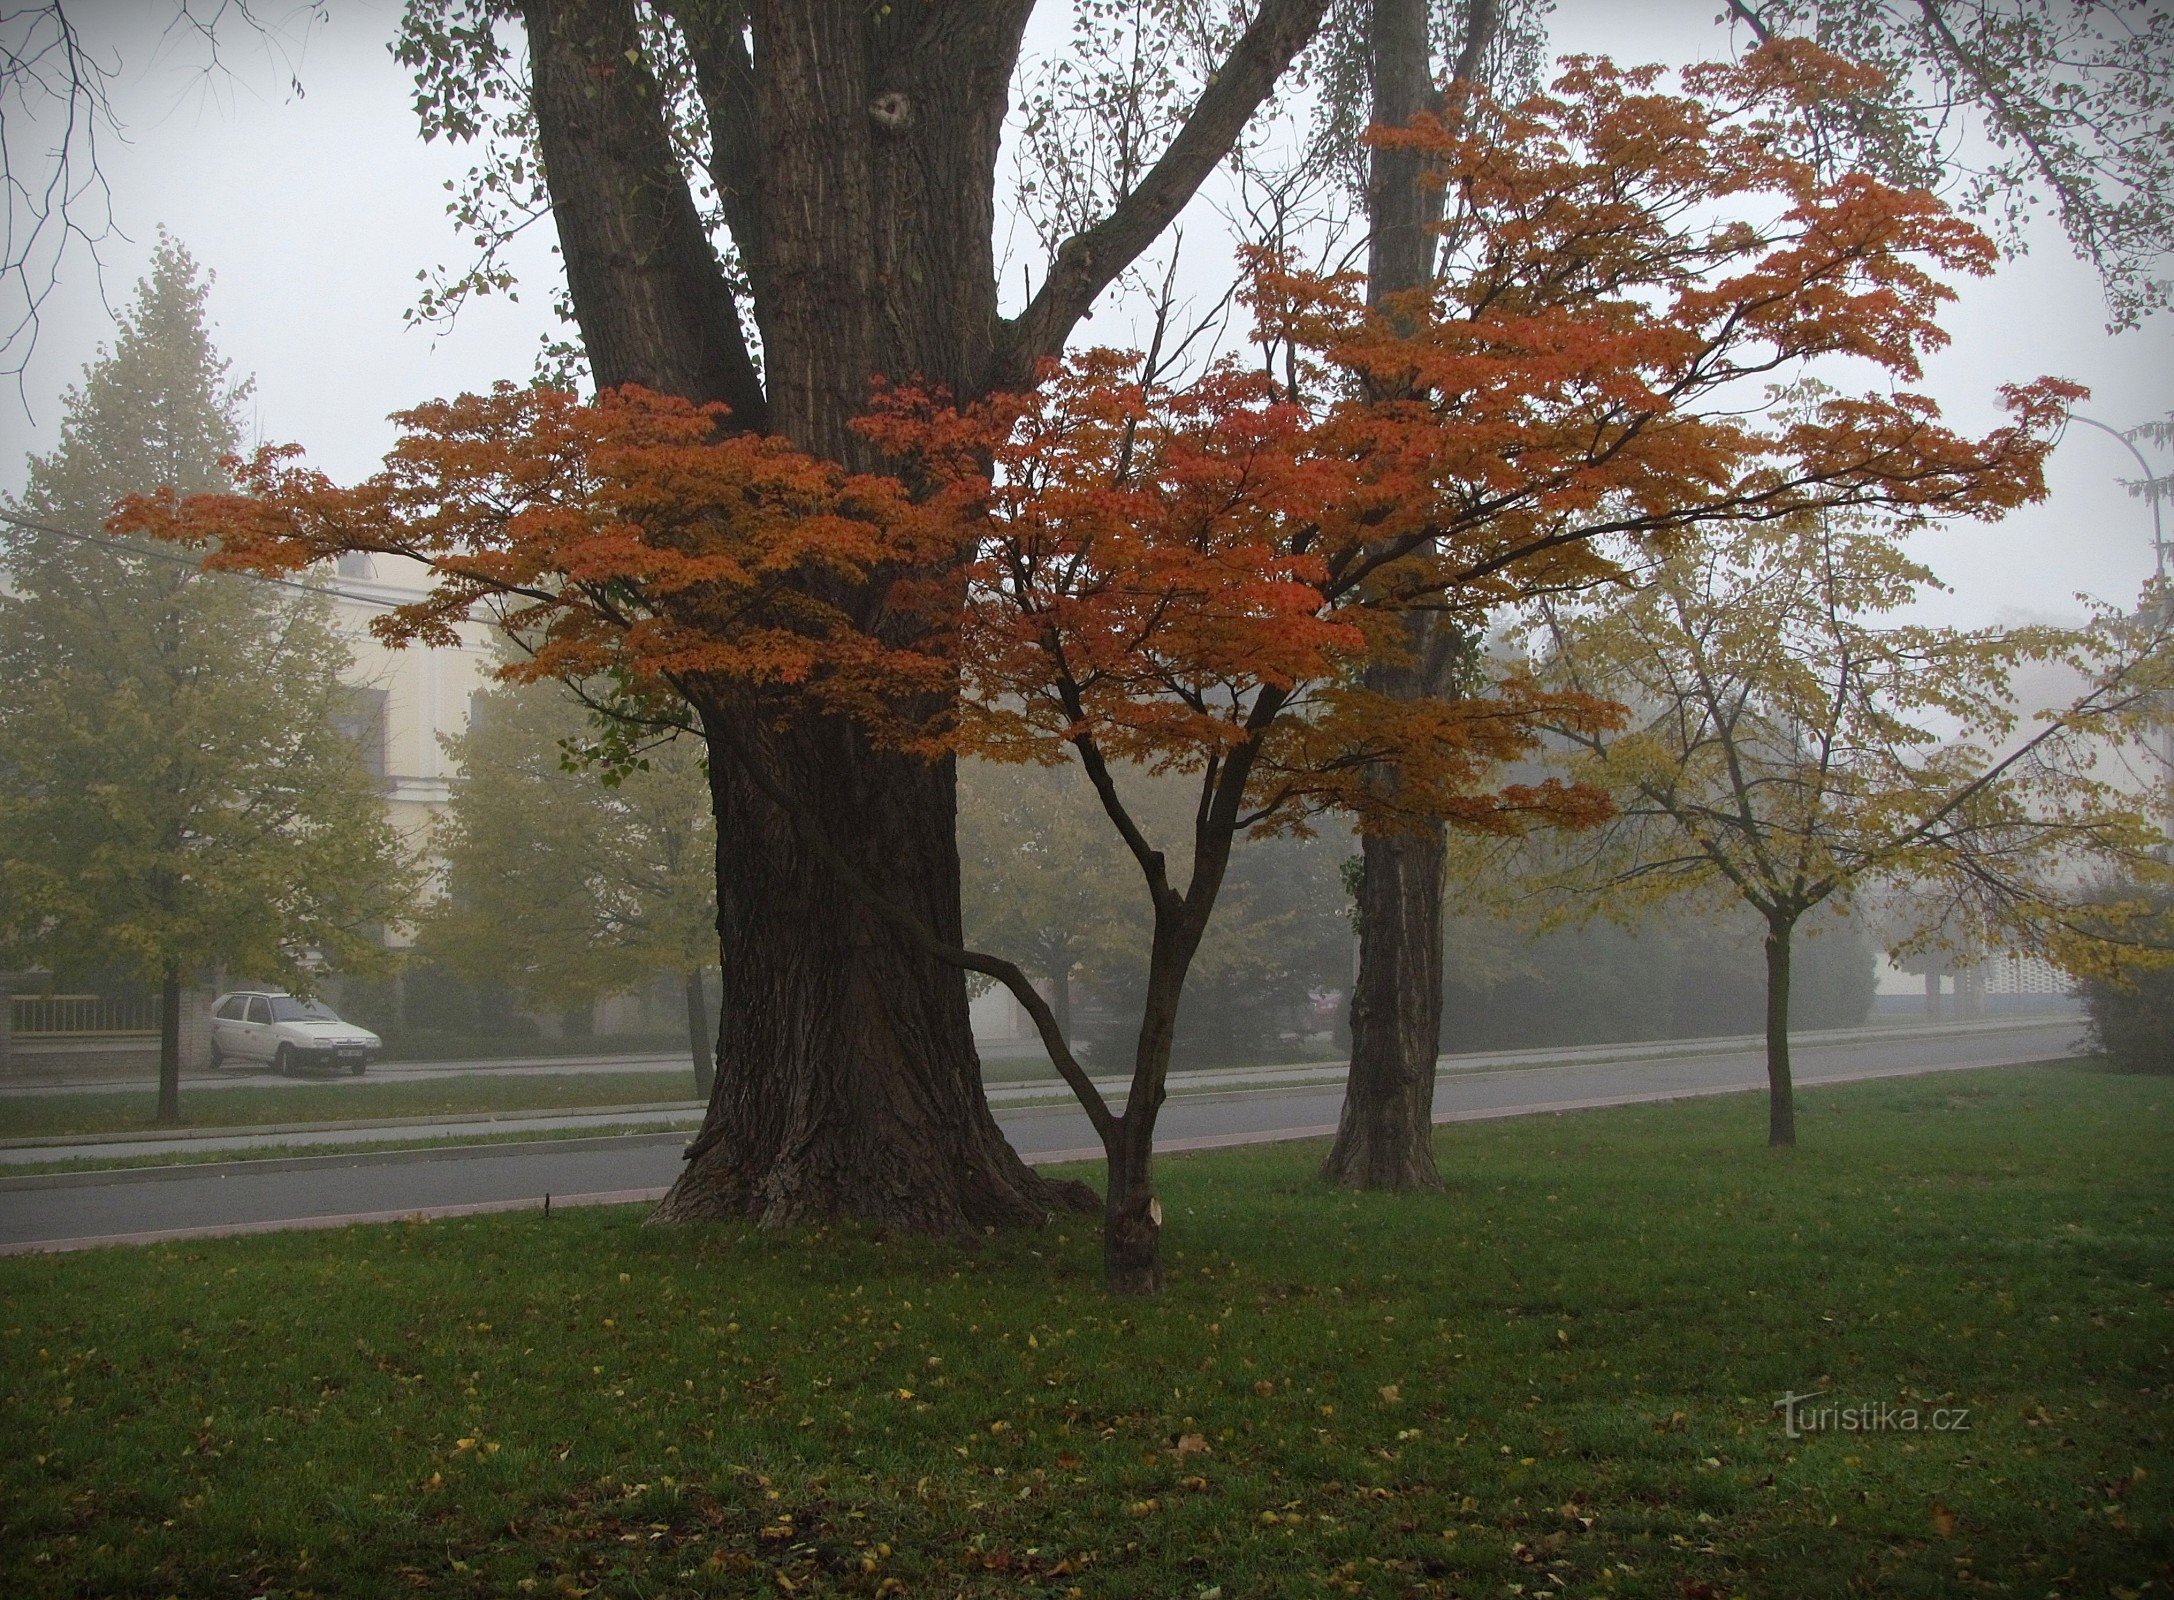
column 2132, row 1019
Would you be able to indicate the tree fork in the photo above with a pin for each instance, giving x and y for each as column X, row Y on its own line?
column 847, row 1078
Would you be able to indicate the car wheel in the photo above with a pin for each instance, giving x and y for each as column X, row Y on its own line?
column 283, row 1060
column 358, row 1068
column 218, row 1056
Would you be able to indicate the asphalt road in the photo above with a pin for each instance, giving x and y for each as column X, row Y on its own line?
column 249, row 1196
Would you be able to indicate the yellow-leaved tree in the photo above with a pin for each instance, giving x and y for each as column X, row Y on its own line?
column 1791, row 744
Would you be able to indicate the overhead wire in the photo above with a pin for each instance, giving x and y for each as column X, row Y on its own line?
column 159, row 553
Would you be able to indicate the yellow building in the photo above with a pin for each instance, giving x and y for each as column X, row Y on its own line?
column 407, row 702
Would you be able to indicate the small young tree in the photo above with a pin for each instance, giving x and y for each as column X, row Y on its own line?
column 1197, row 582
column 174, row 793
column 568, row 882
column 1789, row 744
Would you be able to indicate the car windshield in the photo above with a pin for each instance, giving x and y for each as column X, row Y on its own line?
column 286, row 1008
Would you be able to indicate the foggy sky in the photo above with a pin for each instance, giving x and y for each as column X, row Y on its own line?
column 317, row 212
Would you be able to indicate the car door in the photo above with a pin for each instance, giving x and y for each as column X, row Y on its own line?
column 226, row 1030
column 257, row 1037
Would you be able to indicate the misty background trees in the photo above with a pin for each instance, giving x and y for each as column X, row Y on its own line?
column 1044, row 876
column 176, row 794
column 565, row 883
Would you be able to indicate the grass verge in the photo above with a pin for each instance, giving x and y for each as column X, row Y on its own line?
column 1557, row 1378
column 112, row 1111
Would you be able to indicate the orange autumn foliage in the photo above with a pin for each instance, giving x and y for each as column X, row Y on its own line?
column 1195, row 577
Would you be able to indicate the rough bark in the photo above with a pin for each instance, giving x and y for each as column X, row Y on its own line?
column 169, row 1110
column 855, row 150
column 653, row 307
column 1781, row 1109
column 698, row 1033
column 1385, row 1137
column 847, row 1082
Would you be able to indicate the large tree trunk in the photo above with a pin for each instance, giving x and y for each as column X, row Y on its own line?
column 1385, row 1139
column 854, row 151
column 169, row 1111
column 847, row 1082
column 698, row 1033
column 1781, row 1108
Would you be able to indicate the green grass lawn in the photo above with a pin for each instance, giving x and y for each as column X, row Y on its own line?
column 116, row 1111
column 1556, row 1379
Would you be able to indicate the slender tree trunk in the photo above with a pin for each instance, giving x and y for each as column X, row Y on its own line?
column 1781, row 1109
column 698, row 1033
column 1932, row 991
column 1131, row 1213
column 169, row 1111
column 1385, row 1138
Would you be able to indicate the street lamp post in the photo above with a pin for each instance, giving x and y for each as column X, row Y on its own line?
column 2158, row 529
column 2166, row 595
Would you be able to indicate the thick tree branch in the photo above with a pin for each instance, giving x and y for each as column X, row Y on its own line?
column 645, row 280
column 716, row 35
column 1089, row 261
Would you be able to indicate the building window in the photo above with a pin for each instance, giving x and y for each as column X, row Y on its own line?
column 360, row 719
column 357, row 564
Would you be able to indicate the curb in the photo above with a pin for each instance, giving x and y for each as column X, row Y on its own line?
column 1198, row 1083
column 249, row 1131
column 94, row 1177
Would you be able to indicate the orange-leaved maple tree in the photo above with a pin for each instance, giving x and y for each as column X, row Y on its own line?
column 1118, row 572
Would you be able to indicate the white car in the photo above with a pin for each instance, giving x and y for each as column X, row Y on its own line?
column 265, row 1025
